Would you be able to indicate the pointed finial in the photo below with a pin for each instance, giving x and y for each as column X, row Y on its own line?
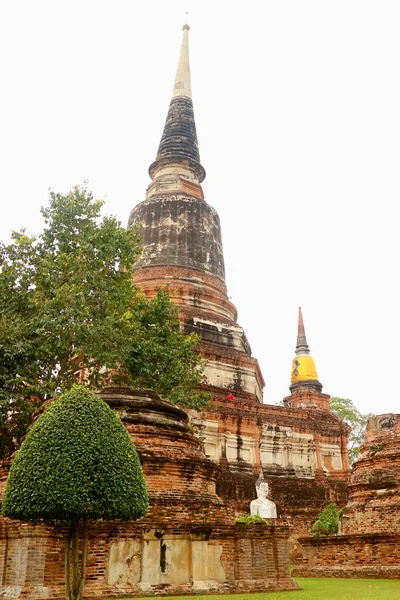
column 304, row 374
column 186, row 25
column 302, row 346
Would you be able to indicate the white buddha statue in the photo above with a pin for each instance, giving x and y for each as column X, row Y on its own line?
column 262, row 506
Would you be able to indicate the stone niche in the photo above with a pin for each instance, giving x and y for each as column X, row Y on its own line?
column 369, row 541
column 188, row 543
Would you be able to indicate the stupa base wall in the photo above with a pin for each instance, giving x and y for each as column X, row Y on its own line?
column 357, row 556
column 297, row 499
column 141, row 560
column 301, row 453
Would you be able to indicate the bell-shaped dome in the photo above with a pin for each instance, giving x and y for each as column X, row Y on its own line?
column 303, row 369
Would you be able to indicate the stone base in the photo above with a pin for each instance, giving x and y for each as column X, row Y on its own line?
column 136, row 560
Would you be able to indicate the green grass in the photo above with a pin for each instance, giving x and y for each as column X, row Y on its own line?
column 322, row 589
column 345, row 589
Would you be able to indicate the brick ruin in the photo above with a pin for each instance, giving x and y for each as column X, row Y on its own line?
column 300, row 447
column 294, row 448
column 369, row 541
column 374, row 502
column 187, row 543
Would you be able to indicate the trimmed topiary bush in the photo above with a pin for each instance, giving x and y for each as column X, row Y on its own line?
column 77, row 463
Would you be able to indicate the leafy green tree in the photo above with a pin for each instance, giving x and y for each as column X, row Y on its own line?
column 15, row 418
column 77, row 463
column 64, row 297
column 327, row 522
column 69, row 312
column 346, row 410
column 162, row 357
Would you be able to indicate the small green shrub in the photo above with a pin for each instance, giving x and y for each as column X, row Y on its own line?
column 327, row 522
column 249, row 519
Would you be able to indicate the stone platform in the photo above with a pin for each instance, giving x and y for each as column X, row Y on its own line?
column 133, row 559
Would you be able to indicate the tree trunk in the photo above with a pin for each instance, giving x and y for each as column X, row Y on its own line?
column 83, row 559
column 67, row 566
column 75, row 561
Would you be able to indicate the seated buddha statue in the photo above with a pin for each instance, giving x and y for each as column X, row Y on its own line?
column 262, row 506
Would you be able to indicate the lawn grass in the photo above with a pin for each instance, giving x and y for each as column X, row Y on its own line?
column 322, row 589
column 344, row 589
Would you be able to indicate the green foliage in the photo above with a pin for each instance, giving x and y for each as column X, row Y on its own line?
column 327, row 522
column 69, row 312
column 15, row 418
column 64, row 297
column 249, row 519
column 77, row 461
column 63, row 301
column 346, row 410
column 162, row 357
column 376, row 448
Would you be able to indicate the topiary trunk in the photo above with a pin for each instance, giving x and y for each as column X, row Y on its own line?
column 75, row 562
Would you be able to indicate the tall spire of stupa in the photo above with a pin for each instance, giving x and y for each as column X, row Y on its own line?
column 179, row 145
column 178, row 228
column 304, row 373
column 182, row 248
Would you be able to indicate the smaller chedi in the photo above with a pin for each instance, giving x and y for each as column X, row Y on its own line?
column 306, row 390
column 304, row 373
column 262, row 506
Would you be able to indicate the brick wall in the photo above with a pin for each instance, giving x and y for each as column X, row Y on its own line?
column 354, row 556
column 251, row 558
column 374, row 499
column 306, row 463
column 369, row 544
column 302, row 480
column 187, row 543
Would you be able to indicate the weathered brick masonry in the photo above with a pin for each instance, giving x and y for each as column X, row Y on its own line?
column 374, row 499
column 187, row 543
column 368, row 555
column 300, row 447
column 224, row 560
column 369, row 544
column 292, row 447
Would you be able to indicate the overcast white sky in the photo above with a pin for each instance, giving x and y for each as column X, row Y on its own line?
column 297, row 106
